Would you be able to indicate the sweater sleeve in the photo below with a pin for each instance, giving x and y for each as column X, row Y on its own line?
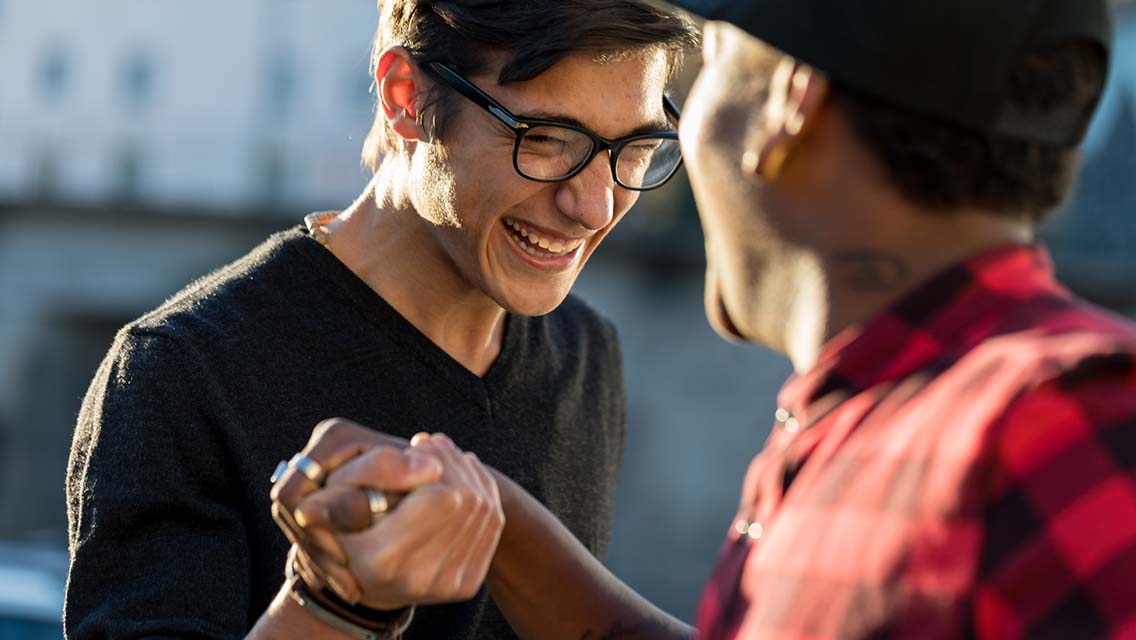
column 158, row 548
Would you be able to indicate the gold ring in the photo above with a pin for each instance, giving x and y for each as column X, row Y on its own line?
column 378, row 503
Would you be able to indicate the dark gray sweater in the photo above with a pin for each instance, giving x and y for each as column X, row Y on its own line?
column 168, row 482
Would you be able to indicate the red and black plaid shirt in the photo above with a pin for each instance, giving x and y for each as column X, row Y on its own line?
column 963, row 466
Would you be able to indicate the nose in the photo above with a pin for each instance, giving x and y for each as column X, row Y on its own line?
column 589, row 197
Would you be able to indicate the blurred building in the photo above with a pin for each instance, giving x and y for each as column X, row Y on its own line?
column 145, row 142
column 212, row 103
column 132, row 133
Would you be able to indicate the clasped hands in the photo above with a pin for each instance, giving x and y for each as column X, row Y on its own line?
column 432, row 543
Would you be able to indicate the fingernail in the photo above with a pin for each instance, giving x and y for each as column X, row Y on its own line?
column 419, row 438
column 306, row 517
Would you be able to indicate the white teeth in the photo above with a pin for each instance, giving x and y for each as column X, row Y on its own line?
column 548, row 246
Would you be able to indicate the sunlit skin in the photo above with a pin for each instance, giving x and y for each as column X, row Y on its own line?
column 805, row 234
column 433, row 237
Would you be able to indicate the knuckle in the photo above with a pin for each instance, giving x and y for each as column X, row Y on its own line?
column 326, row 427
column 451, row 499
column 479, row 504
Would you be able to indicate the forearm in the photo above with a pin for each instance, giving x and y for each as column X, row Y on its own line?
column 550, row 587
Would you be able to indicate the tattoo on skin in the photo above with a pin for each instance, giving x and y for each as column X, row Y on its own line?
column 870, row 270
column 619, row 631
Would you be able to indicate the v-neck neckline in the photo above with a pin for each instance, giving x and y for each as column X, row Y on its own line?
column 380, row 314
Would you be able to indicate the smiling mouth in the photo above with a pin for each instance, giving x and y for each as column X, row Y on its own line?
column 532, row 243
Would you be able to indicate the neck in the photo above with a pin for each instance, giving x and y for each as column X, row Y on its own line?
column 383, row 240
column 849, row 284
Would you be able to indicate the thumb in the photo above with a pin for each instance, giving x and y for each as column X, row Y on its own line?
column 340, row 509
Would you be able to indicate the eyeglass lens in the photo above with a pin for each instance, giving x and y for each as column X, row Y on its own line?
column 553, row 153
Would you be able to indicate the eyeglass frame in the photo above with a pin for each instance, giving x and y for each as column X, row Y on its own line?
column 520, row 126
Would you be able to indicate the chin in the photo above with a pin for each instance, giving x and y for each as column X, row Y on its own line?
column 717, row 314
column 532, row 305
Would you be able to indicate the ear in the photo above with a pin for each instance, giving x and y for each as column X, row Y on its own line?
column 796, row 95
column 399, row 84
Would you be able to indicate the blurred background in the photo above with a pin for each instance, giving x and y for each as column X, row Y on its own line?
column 143, row 143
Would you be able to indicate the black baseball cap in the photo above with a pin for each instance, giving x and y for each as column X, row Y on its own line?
column 944, row 58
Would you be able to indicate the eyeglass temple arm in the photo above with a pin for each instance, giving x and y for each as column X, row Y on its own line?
column 478, row 97
column 671, row 108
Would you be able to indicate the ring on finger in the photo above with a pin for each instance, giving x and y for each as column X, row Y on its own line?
column 378, row 503
column 311, row 469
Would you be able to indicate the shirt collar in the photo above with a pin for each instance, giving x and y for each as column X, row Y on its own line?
column 946, row 314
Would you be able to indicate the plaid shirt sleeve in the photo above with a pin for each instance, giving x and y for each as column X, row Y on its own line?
column 1059, row 553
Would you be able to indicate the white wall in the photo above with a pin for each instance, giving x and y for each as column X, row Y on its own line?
column 211, row 116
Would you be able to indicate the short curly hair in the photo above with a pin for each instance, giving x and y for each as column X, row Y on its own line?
column 532, row 35
column 944, row 167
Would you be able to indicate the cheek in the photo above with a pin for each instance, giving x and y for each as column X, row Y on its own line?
column 624, row 200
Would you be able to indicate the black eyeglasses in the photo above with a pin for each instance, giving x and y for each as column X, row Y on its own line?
column 547, row 151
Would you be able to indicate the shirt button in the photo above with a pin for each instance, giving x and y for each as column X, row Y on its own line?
column 754, row 531
column 786, row 419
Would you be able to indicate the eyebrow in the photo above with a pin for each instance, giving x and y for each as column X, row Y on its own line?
column 657, row 126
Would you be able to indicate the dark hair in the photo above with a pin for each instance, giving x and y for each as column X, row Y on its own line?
column 531, row 35
column 942, row 166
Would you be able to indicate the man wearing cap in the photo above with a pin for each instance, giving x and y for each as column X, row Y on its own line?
column 956, row 454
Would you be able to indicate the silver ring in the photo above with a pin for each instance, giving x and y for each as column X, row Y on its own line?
column 310, row 468
column 281, row 469
column 378, row 503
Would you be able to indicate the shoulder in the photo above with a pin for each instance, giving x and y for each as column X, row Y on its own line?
column 238, row 300
column 1061, row 483
column 1054, row 339
column 1076, row 398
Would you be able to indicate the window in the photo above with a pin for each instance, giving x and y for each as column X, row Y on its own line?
column 46, row 174
column 126, row 182
column 271, row 175
column 137, row 79
column 54, row 74
column 280, row 84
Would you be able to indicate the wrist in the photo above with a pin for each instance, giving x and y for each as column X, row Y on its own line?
column 352, row 621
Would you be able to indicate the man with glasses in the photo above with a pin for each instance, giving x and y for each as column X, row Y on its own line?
column 956, row 455
column 555, row 151
column 510, row 138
